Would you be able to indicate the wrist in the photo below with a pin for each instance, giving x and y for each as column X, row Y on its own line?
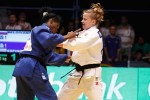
column 66, row 37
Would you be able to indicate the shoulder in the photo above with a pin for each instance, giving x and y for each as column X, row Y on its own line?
column 107, row 38
column 94, row 32
column 17, row 25
column 41, row 28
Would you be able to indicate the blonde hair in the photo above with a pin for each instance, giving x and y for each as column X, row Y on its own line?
column 97, row 12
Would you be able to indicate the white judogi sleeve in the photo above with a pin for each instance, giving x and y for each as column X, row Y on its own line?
column 78, row 43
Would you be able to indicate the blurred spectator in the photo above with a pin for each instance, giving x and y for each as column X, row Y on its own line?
column 71, row 25
column 13, row 25
column 3, row 17
column 147, row 57
column 62, row 30
column 112, row 45
column 22, row 22
column 138, row 55
column 77, row 24
column 105, row 28
column 141, row 45
column 126, row 32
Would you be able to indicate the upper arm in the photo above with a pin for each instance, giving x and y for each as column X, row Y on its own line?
column 80, row 43
column 48, row 39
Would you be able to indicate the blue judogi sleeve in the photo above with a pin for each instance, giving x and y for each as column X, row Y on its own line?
column 48, row 39
column 57, row 59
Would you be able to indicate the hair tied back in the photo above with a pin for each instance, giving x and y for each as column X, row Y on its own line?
column 45, row 13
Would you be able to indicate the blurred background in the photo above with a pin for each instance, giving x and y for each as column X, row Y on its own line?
column 127, row 19
column 126, row 51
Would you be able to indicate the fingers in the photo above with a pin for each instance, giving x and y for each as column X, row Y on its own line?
column 78, row 30
column 71, row 35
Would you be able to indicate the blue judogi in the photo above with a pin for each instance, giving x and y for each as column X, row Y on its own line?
column 30, row 69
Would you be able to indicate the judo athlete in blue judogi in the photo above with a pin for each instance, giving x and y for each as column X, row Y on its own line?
column 30, row 70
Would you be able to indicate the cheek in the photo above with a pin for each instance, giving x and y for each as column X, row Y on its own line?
column 55, row 29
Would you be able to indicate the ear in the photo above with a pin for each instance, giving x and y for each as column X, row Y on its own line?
column 49, row 22
column 93, row 21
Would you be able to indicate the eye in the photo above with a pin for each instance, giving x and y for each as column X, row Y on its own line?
column 83, row 18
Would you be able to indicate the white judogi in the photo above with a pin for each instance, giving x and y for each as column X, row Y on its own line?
column 87, row 49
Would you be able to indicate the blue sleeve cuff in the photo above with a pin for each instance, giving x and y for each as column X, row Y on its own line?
column 57, row 59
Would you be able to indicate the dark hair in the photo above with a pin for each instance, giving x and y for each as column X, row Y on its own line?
column 46, row 14
column 12, row 14
column 112, row 25
column 52, row 16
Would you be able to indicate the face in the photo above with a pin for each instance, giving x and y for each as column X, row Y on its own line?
column 54, row 26
column 124, row 20
column 139, row 55
column 140, row 40
column 87, row 21
column 22, row 17
column 71, row 26
column 12, row 19
column 113, row 30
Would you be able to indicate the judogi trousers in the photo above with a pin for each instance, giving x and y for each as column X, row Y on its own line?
column 91, row 86
column 27, row 87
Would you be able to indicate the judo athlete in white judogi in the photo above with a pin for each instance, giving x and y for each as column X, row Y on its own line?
column 86, row 57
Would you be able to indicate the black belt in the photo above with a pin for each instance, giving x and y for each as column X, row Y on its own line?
column 34, row 57
column 82, row 68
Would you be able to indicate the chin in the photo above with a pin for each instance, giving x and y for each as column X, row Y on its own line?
column 83, row 27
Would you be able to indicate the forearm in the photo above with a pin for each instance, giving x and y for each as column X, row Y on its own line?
column 57, row 59
column 65, row 37
column 69, row 35
column 82, row 43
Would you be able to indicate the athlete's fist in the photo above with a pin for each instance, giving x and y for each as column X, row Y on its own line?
column 71, row 35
